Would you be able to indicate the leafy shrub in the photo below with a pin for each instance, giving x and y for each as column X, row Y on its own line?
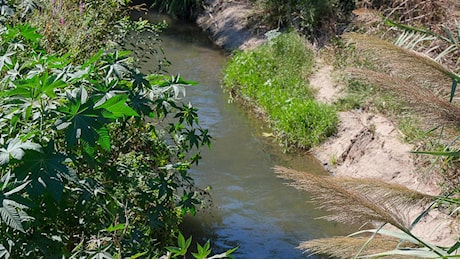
column 94, row 157
column 184, row 9
column 310, row 17
column 274, row 78
column 78, row 27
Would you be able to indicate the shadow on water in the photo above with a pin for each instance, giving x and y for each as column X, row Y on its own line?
column 251, row 208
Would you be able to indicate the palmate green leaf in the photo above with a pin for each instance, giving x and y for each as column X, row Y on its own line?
column 117, row 107
column 36, row 86
column 11, row 211
column 5, row 59
column 16, row 149
column 10, row 215
column 139, row 81
column 80, row 120
column 47, row 171
column 28, row 32
column 115, row 64
column 4, row 252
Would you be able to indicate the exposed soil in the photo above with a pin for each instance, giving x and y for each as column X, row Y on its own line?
column 367, row 145
column 227, row 23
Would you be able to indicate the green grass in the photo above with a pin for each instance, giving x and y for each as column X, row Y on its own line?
column 273, row 77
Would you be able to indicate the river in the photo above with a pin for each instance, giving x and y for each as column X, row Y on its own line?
column 252, row 208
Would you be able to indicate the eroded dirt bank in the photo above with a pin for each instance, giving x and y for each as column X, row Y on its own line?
column 367, row 145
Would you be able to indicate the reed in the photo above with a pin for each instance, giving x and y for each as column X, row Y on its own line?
column 422, row 100
column 346, row 247
column 362, row 201
column 373, row 200
column 405, row 64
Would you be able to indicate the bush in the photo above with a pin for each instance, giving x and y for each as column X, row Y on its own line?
column 94, row 157
column 184, row 9
column 76, row 27
column 314, row 18
column 274, row 77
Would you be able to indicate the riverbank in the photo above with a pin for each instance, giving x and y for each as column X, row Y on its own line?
column 367, row 144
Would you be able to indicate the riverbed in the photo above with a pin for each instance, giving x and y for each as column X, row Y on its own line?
column 251, row 208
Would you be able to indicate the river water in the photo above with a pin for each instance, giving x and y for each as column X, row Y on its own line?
column 252, row 208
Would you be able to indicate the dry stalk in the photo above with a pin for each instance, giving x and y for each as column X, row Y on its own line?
column 346, row 247
column 404, row 64
column 358, row 201
column 417, row 97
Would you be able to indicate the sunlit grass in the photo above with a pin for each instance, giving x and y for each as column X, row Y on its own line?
column 274, row 78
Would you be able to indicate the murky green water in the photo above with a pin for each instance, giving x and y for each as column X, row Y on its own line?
column 253, row 209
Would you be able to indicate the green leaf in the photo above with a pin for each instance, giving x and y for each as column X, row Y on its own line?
column 80, row 120
column 16, row 149
column 10, row 215
column 29, row 33
column 203, row 251
column 116, row 105
column 183, row 246
column 104, row 138
column 36, row 87
column 4, row 252
column 46, row 170
column 396, row 234
column 229, row 253
column 112, row 228
column 414, row 252
column 453, row 88
column 443, row 153
column 5, row 59
column 136, row 255
column 454, row 247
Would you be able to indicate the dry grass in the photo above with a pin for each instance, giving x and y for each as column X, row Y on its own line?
column 372, row 200
column 347, row 247
column 421, row 85
column 405, row 64
column 428, row 105
column 412, row 11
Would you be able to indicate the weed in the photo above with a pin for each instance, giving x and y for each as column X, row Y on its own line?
column 274, row 77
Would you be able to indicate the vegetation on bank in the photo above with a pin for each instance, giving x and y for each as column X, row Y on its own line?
column 94, row 155
column 273, row 78
column 317, row 20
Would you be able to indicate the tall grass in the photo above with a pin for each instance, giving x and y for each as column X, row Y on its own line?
column 368, row 201
column 274, row 78
column 79, row 27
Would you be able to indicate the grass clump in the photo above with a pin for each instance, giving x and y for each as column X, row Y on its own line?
column 273, row 77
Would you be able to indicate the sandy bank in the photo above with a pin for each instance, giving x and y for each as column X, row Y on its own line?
column 367, row 145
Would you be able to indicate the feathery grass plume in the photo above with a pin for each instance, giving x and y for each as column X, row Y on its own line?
column 404, row 63
column 346, row 247
column 413, row 95
column 394, row 193
column 371, row 200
